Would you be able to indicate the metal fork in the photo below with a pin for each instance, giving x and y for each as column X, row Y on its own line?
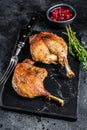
column 14, row 59
column 12, row 64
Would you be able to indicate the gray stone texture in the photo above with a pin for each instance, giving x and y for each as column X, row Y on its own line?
column 14, row 15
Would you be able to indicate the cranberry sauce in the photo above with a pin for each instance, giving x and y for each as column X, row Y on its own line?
column 62, row 13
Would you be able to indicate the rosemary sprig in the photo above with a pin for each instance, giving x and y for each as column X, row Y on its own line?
column 75, row 47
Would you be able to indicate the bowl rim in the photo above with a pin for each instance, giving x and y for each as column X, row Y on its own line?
column 58, row 5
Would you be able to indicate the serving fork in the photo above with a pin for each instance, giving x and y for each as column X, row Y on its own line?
column 12, row 63
column 14, row 59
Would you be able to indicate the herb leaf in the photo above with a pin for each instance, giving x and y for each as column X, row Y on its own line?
column 75, row 48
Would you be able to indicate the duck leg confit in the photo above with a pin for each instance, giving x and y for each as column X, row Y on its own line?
column 28, row 80
column 50, row 48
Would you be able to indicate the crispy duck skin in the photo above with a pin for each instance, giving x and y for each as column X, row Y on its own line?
column 50, row 48
column 28, row 80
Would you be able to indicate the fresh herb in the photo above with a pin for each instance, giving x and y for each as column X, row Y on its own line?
column 75, row 47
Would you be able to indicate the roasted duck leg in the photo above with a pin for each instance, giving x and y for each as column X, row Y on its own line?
column 50, row 48
column 40, row 51
column 28, row 80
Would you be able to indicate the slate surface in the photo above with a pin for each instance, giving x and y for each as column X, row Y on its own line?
column 56, row 83
column 13, row 16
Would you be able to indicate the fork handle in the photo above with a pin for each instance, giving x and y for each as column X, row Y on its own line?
column 19, row 47
column 25, row 33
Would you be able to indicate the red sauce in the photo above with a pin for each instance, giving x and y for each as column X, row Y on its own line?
column 62, row 13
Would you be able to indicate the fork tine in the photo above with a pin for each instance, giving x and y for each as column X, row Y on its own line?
column 8, row 71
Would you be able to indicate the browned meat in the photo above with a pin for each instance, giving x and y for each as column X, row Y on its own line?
column 28, row 80
column 50, row 48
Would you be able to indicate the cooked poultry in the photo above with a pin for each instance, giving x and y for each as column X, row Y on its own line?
column 50, row 48
column 28, row 80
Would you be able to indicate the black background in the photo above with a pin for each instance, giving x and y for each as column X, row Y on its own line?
column 14, row 16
